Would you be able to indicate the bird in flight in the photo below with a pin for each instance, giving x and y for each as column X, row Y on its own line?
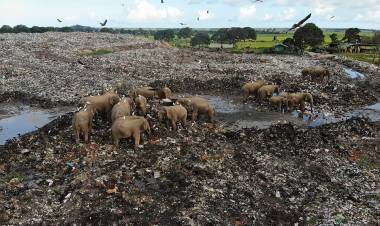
column 207, row 11
column 256, row 1
column 104, row 23
column 299, row 24
column 182, row 24
column 162, row 1
column 198, row 18
column 60, row 21
column 332, row 17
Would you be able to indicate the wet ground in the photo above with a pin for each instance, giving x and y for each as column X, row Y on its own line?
column 17, row 119
column 351, row 73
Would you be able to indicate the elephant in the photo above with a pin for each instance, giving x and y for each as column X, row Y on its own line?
column 82, row 122
column 129, row 126
column 123, row 108
column 141, row 104
column 148, row 92
column 299, row 99
column 280, row 102
column 101, row 103
column 174, row 114
column 252, row 88
column 267, row 91
column 316, row 74
column 164, row 93
column 197, row 105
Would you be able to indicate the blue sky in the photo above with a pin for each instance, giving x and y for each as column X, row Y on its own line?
column 222, row 13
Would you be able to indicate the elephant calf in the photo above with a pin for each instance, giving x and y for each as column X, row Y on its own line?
column 129, row 126
column 299, row 99
column 280, row 102
column 164, row 93
column 82, row 122
column 174, row 114
column 197, row 105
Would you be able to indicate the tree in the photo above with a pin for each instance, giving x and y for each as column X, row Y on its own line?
column 249, row 33
column 220, row 36
column 185, row 32
column 308, row 35
column 166, row 35
column 106, row 30
column 376, row 38
column 334, row 38
column 352, row 35
column 36, row 29
column 6, row 29
column 201, row 38
column 65, row 29
column 21, row 28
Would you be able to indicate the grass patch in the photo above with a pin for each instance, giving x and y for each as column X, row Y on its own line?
column 366, row 57
column 96, row 52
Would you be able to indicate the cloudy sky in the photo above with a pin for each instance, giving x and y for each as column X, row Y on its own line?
column 222, row 13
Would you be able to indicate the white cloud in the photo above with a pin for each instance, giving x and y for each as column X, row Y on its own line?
column 247, row 12
column 288, row 14
column 143, row 10
column 370, row 15
column 203, row 15
column 268, row 16
column 322, row 8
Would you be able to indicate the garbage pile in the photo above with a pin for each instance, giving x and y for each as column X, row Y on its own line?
column 60, row 68
column 203, row 175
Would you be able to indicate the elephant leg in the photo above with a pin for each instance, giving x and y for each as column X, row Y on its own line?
column 116, row 141
column 85, row 131
column 77, row 132
column 137, row 135
column 184, row 121
column 194, row 115
column 174, row 124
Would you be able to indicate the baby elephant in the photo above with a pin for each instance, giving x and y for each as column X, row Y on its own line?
column 280, row 102
column 82, row 122
column 174, row 114
column 300, row 99
column 123, row 108
column 141, row 104
column 197, row 105
column 267, row 91
column 129, row 126
column 252, row 88
column 316, row 73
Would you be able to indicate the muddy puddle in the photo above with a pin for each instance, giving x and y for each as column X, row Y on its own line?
column 351, row 73
column 234, row 114
column 18, row 119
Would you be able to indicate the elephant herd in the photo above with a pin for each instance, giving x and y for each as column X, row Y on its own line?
column 128, row 113
column 263, row 90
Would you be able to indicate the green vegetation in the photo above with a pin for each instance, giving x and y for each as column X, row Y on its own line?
column 96, row 52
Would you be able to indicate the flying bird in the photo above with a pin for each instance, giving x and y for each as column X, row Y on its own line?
column 207, row 11
column 332, row 17
column 104, row 23
column 182, row 24
column 299, row 24
column 162, row 1
column 198, row 18
column 256, row 1
column 60, row 21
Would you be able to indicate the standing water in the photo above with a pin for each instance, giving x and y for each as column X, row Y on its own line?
column 17, row 119
column 353, row 74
